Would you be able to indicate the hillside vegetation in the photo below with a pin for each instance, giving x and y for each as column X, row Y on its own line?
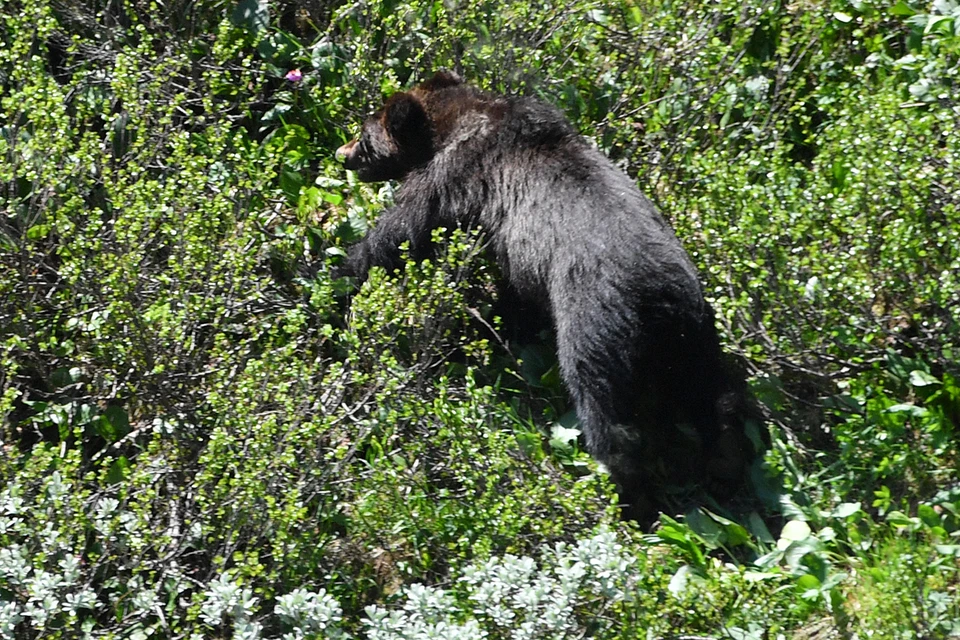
column 205, row 435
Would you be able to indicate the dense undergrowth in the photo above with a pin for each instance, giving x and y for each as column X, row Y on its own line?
column 205, row 435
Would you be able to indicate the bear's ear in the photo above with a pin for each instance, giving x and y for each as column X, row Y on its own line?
column 405, row 119
column 441, row 80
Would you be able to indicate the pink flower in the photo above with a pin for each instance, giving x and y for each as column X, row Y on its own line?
column 294, row 75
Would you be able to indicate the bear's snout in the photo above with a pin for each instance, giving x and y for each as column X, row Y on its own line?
column 347, row 154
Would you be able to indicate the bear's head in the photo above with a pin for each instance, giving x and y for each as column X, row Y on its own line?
column 400, row 136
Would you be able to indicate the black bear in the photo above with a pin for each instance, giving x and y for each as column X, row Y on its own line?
column 574, row 237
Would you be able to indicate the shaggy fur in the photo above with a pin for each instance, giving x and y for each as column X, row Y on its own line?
column 574, row 237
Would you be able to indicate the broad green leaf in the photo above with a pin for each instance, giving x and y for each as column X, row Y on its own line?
column 909, row 409
column 902, row 9
column 564, row 434
column 253, row 15
column 679, row 581
column 793, row 531
column 846, row 509
column 920, row 378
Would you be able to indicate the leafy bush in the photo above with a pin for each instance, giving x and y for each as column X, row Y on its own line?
column 204, row 434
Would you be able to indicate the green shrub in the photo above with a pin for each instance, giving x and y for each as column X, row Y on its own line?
column 205, row 434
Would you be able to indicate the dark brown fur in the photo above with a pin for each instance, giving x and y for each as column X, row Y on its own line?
column 573, row 237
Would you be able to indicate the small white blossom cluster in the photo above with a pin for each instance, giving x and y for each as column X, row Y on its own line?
column 514, row 598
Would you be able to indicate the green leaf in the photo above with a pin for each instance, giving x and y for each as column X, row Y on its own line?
column 952, row 550
column 86, row 414
column 920, row 378
column 900, row 519
column 928, row 515
column 833, row 580
column 351, row 229
column 38, row 231
column 759, row 576
column 332, row 198
column 113, row 424
column 794, row 531
column 759, row 528
column 909, row 409
column 768, row 560
column 119, row 470
column 808, row 582
column 846, row 509
column 325, row 56
column 705, row 527
column 902, row 9
column 551, row 378
column 735, row 534
column 252, row 15
column 529, row 442
column 679, row 581
column 535, row 363
column 945, row 22
column 290, row 182
column 797, row 551
column 564, row 434
column 790, row 509
column 681, row 536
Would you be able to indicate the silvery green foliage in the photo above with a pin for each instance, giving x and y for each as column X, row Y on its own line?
column 47, row 586
column 513, row 597
column 310, row 614
column 427, row 614
column 224, row 597
column 40, row 593
column 9, row 617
